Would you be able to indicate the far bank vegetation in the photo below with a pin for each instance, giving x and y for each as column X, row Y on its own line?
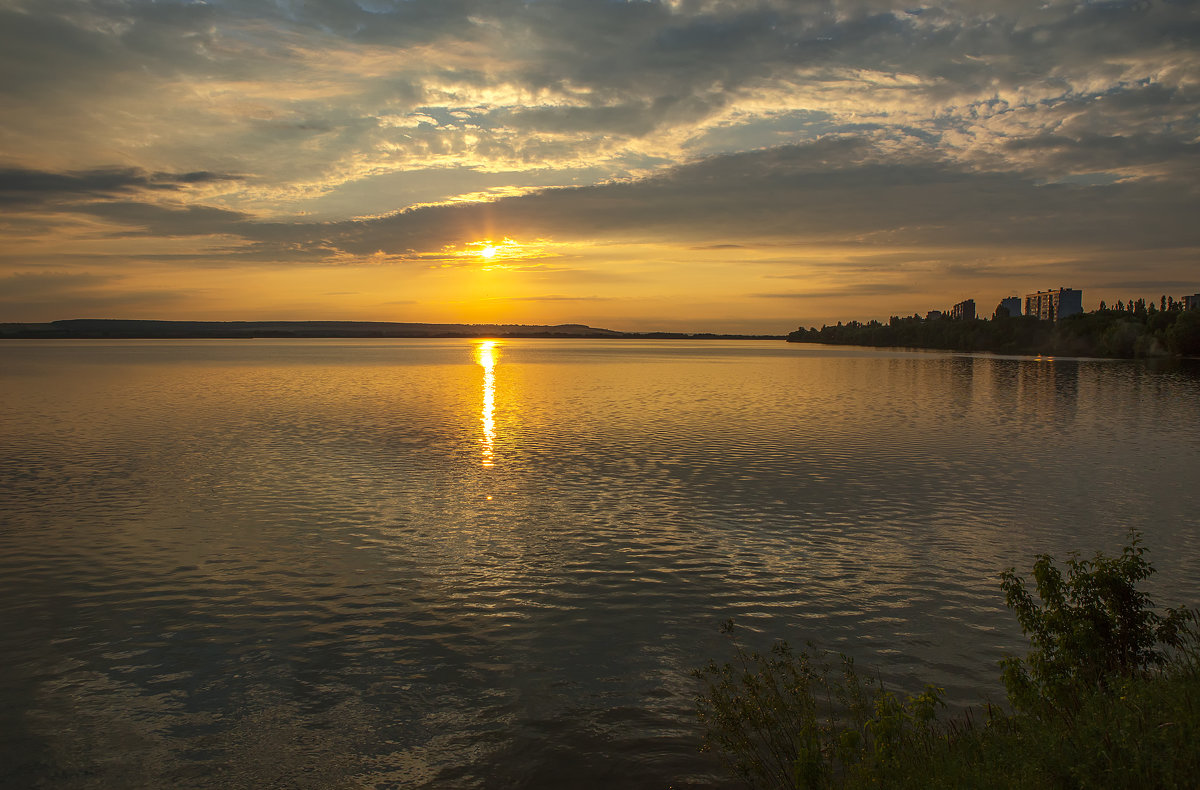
column 1142, row 330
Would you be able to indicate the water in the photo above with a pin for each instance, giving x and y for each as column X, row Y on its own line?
column 444, row 563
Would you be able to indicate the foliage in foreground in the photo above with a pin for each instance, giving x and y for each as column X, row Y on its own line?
column 798, row 719
column 1109, row 696
column 1088, row 630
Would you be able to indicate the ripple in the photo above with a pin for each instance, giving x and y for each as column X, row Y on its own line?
column 241, row 564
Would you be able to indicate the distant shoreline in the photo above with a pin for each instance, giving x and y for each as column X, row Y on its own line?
column 122, row 329
column 1118, row 334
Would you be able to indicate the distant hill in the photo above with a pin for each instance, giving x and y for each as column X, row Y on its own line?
column 99, row 328
column 121, row 328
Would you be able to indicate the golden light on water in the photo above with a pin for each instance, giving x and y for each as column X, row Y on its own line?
column 485, row 354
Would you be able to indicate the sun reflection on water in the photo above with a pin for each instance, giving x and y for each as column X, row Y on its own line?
column 485, row 354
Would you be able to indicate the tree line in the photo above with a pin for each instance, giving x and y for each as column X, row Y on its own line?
column 1137, row 328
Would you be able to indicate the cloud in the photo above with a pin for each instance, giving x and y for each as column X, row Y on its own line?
column 836, row 190
column 23, row 188
column 839, row 190
column 313, row 96
column 854, row 289
column 1093, row 153
column 970, row 140
column 166, row 221
column 27, row 285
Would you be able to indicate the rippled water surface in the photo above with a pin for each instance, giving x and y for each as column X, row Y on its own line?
column 454, row 563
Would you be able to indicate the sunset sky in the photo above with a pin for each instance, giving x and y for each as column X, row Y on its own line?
column 695, row 166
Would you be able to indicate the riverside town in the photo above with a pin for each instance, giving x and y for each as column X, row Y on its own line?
column 1051, row 322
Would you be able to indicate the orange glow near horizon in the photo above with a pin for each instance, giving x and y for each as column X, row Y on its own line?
column 485, row 354
column 495, row 254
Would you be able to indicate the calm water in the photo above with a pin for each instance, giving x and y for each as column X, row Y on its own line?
column 448, row 564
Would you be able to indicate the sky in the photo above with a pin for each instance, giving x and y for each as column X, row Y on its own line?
column 687, row 165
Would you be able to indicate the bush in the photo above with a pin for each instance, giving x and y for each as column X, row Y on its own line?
column 1087, row 630
column 1109, row 696
column 798, row 719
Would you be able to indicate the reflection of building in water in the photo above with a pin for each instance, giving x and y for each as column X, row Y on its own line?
column 1049, row 389
column 1053, row 305
column 962, row 384
column 1005, row 381
column 485, row 355
column 1010, row 303
column 963, row 311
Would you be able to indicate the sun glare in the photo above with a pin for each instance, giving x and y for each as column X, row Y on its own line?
column 496, row 253
column 490, row 254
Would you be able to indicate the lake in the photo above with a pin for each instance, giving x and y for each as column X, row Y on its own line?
column 463, row 563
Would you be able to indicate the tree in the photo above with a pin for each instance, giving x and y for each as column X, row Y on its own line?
column 1183, row 337
column 1087, row 630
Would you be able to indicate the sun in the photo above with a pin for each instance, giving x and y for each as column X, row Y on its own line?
column 503, row 254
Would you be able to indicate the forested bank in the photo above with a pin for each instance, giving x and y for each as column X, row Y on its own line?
column 1101, row 333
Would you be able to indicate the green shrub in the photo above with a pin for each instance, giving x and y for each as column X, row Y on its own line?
column 800, row 720
column 1086, row 630
column 1108, row 697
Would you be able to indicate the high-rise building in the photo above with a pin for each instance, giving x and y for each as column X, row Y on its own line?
column 1191, row 302
column 1053, row 305
column 963, row 311
column 1010, row 303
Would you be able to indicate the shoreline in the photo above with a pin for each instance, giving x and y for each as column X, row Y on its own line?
column 136, row 329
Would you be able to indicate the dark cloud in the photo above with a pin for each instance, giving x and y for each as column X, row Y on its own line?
column 157, row 220
column 1092, row 152
column 20, row 187
column 835, row 190
column 844, row 191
